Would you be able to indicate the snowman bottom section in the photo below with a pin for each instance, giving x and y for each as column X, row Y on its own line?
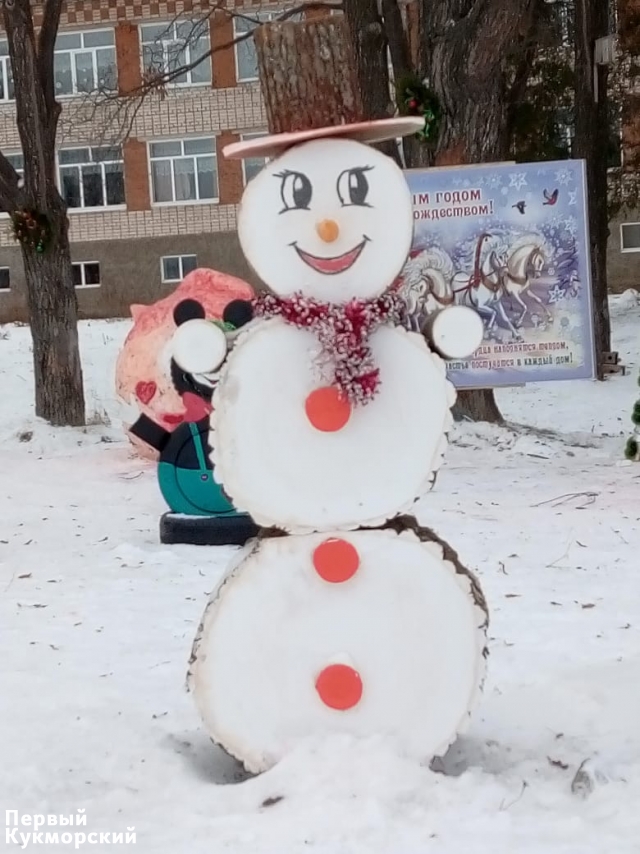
column 368, row 633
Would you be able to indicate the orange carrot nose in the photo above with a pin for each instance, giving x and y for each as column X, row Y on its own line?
column 328, row 230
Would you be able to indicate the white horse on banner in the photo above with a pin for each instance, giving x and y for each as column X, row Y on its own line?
column 524, row 265
column 484, row 289
column 426, row 284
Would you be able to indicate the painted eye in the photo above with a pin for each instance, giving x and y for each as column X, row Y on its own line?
column 199, row 347
column 296, row 191
column 353, row 187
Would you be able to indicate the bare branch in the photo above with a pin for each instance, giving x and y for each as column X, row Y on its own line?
column 116, row 113
column 168, row 77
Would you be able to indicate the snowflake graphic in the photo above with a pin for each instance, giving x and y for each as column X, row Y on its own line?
column 505, row 191
column 456, row 182
column 564, row 177
column 556, row 294
column 518, row 180
column 495, row 181
column 573, row 197
column 571, row 226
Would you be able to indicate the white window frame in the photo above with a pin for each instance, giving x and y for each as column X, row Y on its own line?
column 84, row 286
column 244, row 137
column 181, row 202
column 102, row 163
column 180, row 258
column 6, row 290
column 166, row 42
column 72, row 51
column 5, row 68
column 631, row 249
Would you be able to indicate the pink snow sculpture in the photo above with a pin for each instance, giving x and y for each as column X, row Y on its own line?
column 143, row 369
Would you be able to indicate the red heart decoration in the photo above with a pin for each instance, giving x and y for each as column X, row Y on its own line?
column 145, row 391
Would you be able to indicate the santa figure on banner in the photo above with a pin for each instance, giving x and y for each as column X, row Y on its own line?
column 329, row 422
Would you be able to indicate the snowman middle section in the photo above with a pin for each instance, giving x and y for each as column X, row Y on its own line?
column 278, row 463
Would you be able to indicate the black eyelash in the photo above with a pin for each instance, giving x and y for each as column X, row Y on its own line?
column 283, row 174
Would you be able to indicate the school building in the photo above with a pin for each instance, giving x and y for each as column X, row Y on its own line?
column 150, row 196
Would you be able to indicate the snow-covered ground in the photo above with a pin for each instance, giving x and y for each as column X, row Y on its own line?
column 97, row 620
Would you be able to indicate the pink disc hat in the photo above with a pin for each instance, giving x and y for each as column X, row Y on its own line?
column 367, row 132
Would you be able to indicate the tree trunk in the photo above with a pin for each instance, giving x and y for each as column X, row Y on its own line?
column 466, row 50
column 307, row 74
column 52, row 306
column 369, row 42
column 51, row 294
column 591, row 144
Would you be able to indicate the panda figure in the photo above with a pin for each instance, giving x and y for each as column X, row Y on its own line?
column 200, row 511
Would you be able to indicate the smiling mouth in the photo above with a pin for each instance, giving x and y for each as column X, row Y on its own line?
column 332, row 266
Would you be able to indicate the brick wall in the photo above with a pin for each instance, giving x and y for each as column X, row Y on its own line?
column 230, row 175
column 136, row 175
column 223, row 59
column 91, row 12
column 157, row 222
column 128, row 58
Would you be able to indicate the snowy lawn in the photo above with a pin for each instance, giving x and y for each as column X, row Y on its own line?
column 97, row 620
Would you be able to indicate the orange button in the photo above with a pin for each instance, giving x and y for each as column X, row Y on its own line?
column 336, row 560
column 339, row 687
column 327, row 409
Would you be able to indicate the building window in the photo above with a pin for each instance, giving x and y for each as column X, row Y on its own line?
column 91, row 177
column 630, row 237
column 176, row 267
column 184, row 171
column 168, row 47
column 246, row 59
column 6, row 74
column 252, row 165
column 85, row 62
column 5, row 279
column 86, row 274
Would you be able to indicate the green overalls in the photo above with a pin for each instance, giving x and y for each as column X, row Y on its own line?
column 193, row 492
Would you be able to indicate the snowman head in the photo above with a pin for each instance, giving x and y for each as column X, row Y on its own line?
column 331, row 218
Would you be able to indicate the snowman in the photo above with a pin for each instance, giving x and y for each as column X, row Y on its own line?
column 330, row 421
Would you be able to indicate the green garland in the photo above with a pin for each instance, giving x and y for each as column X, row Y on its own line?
column 415, row 99
column 32, row 229
column 632, row 450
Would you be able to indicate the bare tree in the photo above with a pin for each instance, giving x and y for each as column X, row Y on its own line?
column 39, row 215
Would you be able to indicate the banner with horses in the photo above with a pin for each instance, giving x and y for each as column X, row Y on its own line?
column 510, row 241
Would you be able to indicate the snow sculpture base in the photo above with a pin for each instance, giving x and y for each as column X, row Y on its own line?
column 237, row 530
column 277, row 466
column 370, row 632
